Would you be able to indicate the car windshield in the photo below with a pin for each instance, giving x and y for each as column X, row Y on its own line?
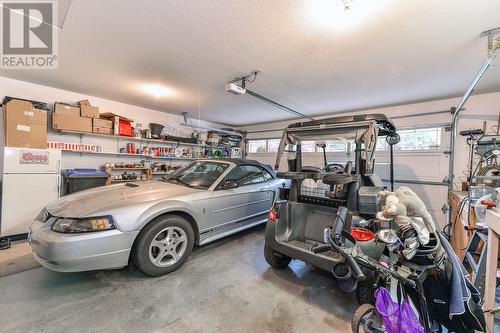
column 201, row 174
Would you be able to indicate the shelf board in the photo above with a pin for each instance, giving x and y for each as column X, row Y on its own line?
column 129, row 138
column 111, row 169
column 126, row 154
column 133, row 138
column 128, row 180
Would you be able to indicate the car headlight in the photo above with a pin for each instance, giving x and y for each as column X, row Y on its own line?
column 90, row 224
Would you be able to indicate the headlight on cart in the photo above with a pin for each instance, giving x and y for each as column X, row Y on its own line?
column 90, row 224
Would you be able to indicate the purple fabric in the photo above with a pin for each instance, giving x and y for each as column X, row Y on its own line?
column 397, row 318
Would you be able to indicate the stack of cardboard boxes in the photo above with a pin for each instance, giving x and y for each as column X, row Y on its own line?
column 25, row 125
column 81, row 118
column 67, row 117
column 102, row 126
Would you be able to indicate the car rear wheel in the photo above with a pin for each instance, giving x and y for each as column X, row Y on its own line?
column 163, row 245
column 276, row 260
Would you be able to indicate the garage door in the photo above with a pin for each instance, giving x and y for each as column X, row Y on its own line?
column 420, row 162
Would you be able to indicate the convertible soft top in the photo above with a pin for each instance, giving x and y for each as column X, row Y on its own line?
column 240, row 161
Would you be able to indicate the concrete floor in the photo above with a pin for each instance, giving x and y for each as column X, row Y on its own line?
column 17, row 258
column 223, row 287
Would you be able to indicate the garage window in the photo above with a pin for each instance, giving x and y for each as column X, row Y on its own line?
column 272, row 145
column 411, row 140
column 308, row 146
column 257, row 146
column 338, row 146
column 415, row 139
column 419, row 139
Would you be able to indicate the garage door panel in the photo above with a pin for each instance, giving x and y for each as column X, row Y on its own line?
column 414, row 167
column 408, row 165
column 418, row 167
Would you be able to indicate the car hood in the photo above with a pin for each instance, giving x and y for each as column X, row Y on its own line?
column 105, row 198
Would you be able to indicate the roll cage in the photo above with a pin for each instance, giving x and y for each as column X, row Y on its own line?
column 364, row 129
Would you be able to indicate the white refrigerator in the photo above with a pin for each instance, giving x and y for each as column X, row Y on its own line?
column 30, row 180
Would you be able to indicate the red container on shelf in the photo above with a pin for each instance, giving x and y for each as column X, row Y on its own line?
column 155, row 151
column 125, row 128
column 131, row 148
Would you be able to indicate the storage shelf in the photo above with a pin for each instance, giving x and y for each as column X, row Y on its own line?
column 111, row 169
column 127, row 180
column 130, row 138
column 126, row 154
column 133, row 138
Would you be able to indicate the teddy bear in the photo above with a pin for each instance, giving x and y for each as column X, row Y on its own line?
column 405, row 202
column 407, row 208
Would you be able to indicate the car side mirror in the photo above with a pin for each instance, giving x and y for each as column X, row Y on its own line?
column 230, row 184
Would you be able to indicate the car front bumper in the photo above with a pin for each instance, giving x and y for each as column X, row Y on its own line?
column 80, row 252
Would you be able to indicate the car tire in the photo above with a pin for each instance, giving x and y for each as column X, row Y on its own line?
column 163, row 245
column 275, row 259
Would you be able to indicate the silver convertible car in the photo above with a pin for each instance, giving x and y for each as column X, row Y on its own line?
column 154, row 223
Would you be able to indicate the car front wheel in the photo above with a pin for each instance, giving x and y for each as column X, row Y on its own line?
column 163, row 245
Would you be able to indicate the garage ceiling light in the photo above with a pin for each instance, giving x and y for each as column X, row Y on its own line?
column 157, row 90
column 342, row 14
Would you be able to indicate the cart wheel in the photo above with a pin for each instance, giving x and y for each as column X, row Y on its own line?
column 367, row 319
column 365, row 292
column 276, row 260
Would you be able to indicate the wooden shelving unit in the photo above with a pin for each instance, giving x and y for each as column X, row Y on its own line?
column 143, row 170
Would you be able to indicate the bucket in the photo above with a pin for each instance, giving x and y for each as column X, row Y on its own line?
column 156, row 130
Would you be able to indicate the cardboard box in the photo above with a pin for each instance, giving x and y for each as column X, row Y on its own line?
column 102, row 130
column 96, row 122
column 24, row 125
column 71, row 123
column 121, row 125
column 69, row 110
column 87, row 110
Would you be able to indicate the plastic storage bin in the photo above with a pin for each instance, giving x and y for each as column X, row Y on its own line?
column 75, row 180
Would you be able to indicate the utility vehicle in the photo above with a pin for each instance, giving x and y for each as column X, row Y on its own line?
column 316, row 197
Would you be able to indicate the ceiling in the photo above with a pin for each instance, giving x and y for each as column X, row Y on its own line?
column 315, row 59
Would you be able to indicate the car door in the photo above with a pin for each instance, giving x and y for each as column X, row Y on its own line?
column 247, row 203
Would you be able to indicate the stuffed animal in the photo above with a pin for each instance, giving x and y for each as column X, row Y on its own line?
column 406, row 203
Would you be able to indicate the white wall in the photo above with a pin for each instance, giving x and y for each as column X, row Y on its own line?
column 429, row 165
column 21, row 89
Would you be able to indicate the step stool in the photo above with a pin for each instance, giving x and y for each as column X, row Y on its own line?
column 475, row 260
